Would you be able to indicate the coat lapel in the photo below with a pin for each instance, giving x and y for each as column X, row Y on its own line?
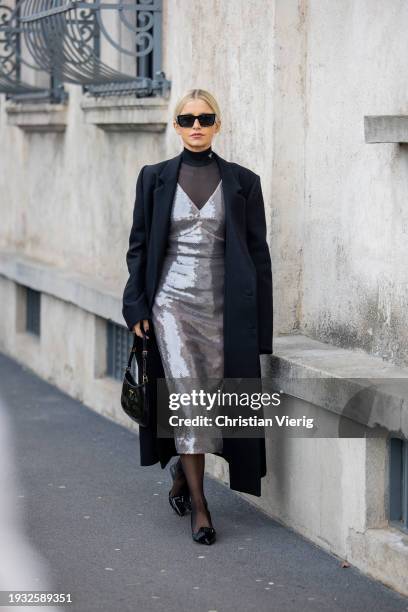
column 163, row 195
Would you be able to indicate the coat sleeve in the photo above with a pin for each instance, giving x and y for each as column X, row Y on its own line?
column 135, row 305
column 259, row 251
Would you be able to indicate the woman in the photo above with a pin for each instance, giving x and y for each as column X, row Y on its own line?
column 200, row 287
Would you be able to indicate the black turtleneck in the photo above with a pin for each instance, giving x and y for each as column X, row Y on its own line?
column 197, row 158
column 199, row 175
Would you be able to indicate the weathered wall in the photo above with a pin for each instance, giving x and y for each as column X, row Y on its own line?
column 354, row 280
column 294, row 80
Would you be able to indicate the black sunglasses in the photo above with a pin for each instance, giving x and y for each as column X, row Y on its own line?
column 187, row 121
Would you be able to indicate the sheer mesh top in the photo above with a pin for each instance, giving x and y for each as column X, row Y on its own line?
column 199, row 175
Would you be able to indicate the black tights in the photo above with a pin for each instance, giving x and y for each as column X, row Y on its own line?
column 190, row 470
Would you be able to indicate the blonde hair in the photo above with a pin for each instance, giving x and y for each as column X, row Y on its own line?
column 201, row 94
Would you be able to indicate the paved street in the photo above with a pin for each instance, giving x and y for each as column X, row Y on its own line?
column 106, row 533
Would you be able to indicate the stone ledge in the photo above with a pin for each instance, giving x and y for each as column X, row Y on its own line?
column 96, row 297
column 331, row 377
column 382, row 554
column 37, row 116
column 386, row 128
column 126, row 113
column 301, row 366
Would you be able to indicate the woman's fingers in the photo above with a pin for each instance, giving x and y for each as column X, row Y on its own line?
column 146, row 326
column 137, row 328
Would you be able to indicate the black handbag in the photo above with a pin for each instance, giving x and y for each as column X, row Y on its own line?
column 135, row 397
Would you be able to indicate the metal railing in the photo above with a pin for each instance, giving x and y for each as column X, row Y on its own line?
column 12, row 61
column 71, row 38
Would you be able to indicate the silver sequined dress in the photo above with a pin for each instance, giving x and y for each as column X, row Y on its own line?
column 187, row 312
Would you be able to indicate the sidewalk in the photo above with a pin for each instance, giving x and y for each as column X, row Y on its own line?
column 105, row 527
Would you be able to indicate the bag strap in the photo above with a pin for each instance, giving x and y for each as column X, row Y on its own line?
column 144, row 355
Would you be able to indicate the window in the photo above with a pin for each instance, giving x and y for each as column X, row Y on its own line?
column 398, row 506
column 108, row 48
column 120, row 342
column 33, row 311
column 21, row 78
column 134, row 34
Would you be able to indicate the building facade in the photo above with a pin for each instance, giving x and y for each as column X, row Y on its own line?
column 313, row 98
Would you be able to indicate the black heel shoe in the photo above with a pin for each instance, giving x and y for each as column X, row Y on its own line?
column 204, row 535
column 180, row 503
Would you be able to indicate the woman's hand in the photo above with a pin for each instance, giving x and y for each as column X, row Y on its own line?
column 137, row 328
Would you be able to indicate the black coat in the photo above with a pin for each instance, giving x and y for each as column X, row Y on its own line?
column 248, row 304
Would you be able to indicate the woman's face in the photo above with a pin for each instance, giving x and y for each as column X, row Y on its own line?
column 202, row 142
